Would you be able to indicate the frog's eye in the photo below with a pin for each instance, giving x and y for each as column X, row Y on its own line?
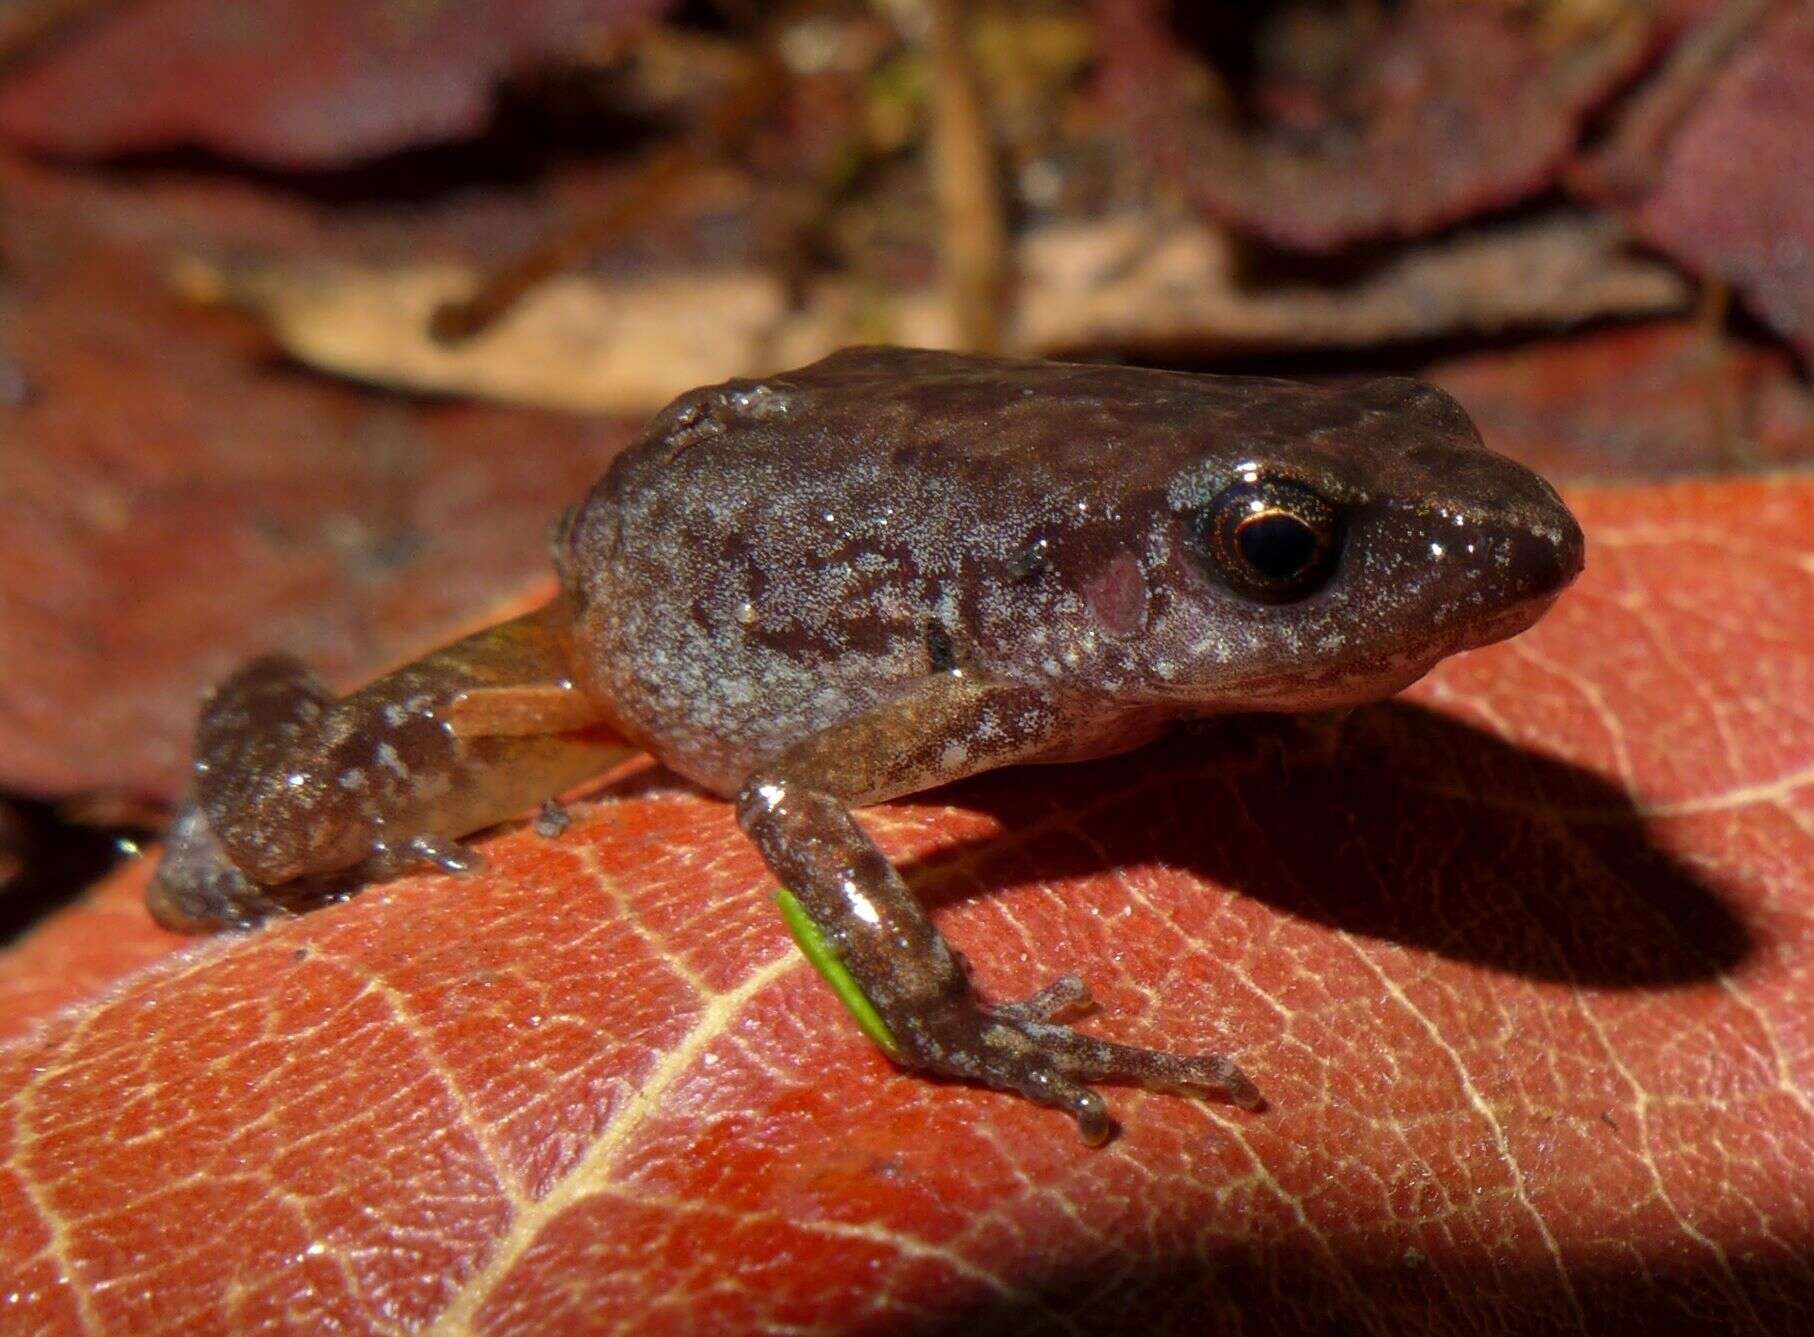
column 1274, row 541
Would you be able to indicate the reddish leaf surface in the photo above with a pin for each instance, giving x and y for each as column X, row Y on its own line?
column 1523, row 970
column 145, row 550
column 1386, row 128
column 296, row 83
column 1637, row 401
column 1730, row 193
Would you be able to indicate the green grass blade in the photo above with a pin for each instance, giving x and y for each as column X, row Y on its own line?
column 825, row 960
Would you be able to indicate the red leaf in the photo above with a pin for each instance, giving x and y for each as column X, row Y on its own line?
column 1522, row 969
column 297, row 83
column 1637, row 401
column 171, row 503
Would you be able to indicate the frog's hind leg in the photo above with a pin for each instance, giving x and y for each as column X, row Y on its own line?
column 297, row 795
column 797, row 810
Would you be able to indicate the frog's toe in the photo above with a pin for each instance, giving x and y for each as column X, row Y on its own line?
column 450, row 856
column 1018, row 1047
column 1065, row 996
column 197, row 888
column 1090, row 1058
column 1046, row 1086
column 1093, row 1059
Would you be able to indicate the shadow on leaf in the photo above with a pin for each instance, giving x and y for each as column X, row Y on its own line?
column 1285, row 1288
column 1414, row 828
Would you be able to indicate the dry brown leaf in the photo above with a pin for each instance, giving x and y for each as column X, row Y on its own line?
column 1159, row 281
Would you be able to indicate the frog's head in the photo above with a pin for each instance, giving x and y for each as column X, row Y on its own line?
column 1346, row 543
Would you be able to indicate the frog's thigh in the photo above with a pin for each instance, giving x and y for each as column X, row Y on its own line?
column 797, row 811
column 295, row 782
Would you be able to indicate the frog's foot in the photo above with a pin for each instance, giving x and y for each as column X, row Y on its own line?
column 1019, row 1047
column 197, row 888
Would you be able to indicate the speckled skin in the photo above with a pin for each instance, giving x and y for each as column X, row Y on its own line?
column 887, row 571
column 298, row 799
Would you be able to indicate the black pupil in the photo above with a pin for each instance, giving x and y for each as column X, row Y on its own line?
column 1276, row 545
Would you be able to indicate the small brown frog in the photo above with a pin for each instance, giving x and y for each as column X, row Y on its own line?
column 878, row 574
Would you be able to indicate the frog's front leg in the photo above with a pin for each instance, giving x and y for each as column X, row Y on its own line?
column 294, row 791
column 797, row 810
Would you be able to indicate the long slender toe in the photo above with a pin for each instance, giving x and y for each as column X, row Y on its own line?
column 1017, row 1047
column 1066, row 996
column 1090, row 1058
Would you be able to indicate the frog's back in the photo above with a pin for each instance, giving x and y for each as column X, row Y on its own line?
column 773, row 555
column 993, row 421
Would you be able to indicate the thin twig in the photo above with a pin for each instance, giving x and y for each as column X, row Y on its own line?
column 974, row 233
column 727, row 126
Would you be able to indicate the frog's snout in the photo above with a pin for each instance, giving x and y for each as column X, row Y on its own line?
column 1546, row 561
column 1535, row 561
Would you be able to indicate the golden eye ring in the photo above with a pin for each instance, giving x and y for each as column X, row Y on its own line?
column 1275, row 541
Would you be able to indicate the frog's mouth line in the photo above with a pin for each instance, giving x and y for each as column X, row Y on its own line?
column 1514, row 621
column 1351, row 683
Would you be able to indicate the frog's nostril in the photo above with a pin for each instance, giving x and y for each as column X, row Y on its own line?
column 1571, row 552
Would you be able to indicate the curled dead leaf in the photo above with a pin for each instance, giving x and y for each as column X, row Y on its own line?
column 295, row 83
column 1730, row 193
column 1342, row 124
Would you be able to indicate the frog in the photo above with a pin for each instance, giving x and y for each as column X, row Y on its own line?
column 815, row 591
